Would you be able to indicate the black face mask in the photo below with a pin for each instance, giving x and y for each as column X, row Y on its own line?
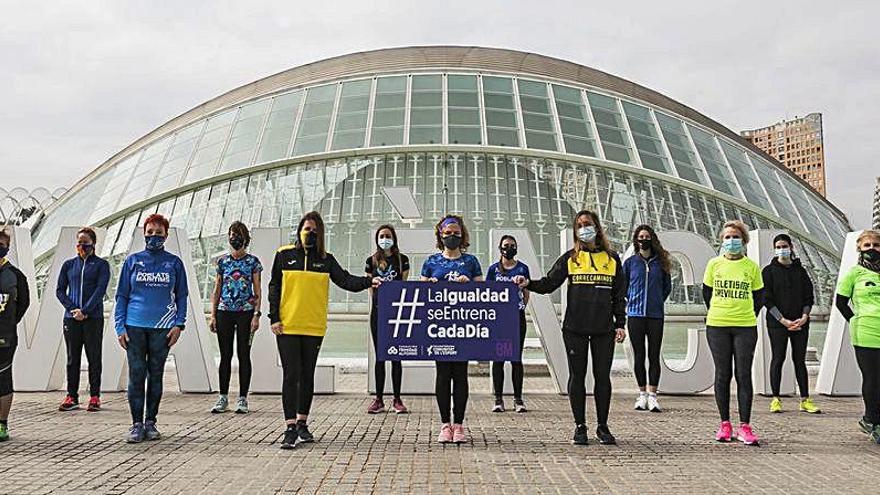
column 452, row 241
column 236, row 242
column 645, row 244
column 509, row 252
column 311, row 239
column 871, row 256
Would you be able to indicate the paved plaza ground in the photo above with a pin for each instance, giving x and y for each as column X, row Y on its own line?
column 670, row 452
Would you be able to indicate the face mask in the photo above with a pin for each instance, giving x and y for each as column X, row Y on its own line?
column 236, row 242
column 783, row 253
column 85, row 249
column 154, row 242
column 871, row 256
column 587, row 234
column 308, row 239
column 733, row 245
column 645, row 244
column 452, row 241
column 4, row 250
column 385, row 243
column 509, row 252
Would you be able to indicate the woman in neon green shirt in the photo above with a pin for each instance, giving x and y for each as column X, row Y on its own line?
column 732, row 289
column 861, row 285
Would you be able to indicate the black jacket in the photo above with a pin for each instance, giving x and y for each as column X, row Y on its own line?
column 14, row 299
column 788, row 289
column 596, row 301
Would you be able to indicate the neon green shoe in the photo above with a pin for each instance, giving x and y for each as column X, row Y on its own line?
column 807, row 406
column 4, row 433
column 776, row 405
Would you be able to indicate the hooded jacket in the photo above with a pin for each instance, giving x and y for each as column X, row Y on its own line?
column 788, row 289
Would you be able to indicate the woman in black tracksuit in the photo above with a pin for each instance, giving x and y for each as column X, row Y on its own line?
column 595, row 317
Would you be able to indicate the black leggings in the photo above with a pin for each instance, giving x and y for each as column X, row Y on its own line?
column 452, row 379
column 779, row 337
column 601, row 347
column 379, row 369
column 516, row 366
column 733, row 346
column 299, row 358
column 650, row 329
column 89, row 334
column 232, row 325
column 869, row 363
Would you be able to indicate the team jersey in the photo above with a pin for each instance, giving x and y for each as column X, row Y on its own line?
column 732, row 283
column 237, row 282
column 152, row 291
column 494, row 274
column 442, row 268
column 395, row 267
column 862, row 286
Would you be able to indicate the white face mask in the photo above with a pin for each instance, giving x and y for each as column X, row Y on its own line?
column 386, row 243
column 783, row 253
column 587, row 234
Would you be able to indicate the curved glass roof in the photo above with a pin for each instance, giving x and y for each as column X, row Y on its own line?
column 446, row 109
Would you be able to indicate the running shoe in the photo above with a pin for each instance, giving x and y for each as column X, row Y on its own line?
column 302, row 429
column 580, row 435
column 519, row 406
column 776, row 405
column 458, row 435
column 446, row 434
column 745, row 435
column 809, row 407
column 398, row 407
column 725, row 432
column 875, row 434
column 642, row 403
column 653, row 404
column 499, row 406
column 290, row 437
column 4, row 433
column 94, row 404
column 866, row 426
column 241, row 407
column 150, row 431
column 221, row 406
column 604, row 435
column 69, row 404
column 376, row 407
column 136, row 433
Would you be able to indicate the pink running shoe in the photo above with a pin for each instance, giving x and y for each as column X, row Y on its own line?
column 724, row 432
column 376, row 407
column 745, row 435
column 398, row 407
column 445, row 434
column 458, row 434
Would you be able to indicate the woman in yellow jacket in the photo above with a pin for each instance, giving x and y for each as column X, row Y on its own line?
column 298, row 299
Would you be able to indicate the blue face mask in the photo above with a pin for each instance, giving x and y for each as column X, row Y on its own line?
column 733, row 245
column 154, row 242
column 587, row 234
column 4, row 250
column 783, row 253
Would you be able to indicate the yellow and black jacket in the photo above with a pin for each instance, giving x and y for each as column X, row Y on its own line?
column 596, row 301
column 300, row 288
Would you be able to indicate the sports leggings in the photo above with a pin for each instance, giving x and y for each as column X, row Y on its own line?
column 379, row 369
column 869, row 363
column 299, row 357
column 516, row 366
column 452, row 379
column 733, row 346
column 779, row 337
column 231, row 326
column 601, row 347
column 640, row 330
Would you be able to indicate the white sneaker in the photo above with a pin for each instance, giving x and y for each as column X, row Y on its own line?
column 653, row 404
column 642, row 402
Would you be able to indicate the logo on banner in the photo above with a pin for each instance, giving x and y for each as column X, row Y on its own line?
column 401, row 305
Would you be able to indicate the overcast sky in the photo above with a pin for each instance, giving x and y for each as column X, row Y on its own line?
column 81, row 80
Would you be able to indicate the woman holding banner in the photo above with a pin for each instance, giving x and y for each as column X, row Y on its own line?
column 595, row 317
column 506, row 270
column 452, row 264
column 387, row 263
column 861, row 286
column 298, row 302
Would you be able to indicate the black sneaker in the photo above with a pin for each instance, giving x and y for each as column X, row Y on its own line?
column 875, row 434
column 499, row 406
column 150, row 431
column 290, row 436
column 604, row 435
column 519, row 406
column 135, row 433
column 302, row 430
column 580, row 435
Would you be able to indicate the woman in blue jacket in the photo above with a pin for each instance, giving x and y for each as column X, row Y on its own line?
column 650, row 282
column 150, row 314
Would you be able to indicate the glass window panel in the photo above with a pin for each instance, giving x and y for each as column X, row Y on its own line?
column 389, row 111
column 351, row 118
column 463, row 116
column 207, row 156
column 777, row 194
column 425, row 135
column 243, row 140
column 574, row 121
column 611, row 128
column 800, row 197
column 426, row 110
column 501, row 121
column 646, row 137
column 744, row 174
column 502, row 137
column 279, row 127
column 145, row 174
column 537, row 119
column 465, row 135
column 683, row 156
column 122, row 172
column 709, row 152
column 315, row 123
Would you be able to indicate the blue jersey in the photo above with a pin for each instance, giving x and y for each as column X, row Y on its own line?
column 441, row 268
column 493, row 274
column 152, row 291
column 237, row 282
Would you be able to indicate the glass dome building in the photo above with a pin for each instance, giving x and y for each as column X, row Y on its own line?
column 504, row 138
